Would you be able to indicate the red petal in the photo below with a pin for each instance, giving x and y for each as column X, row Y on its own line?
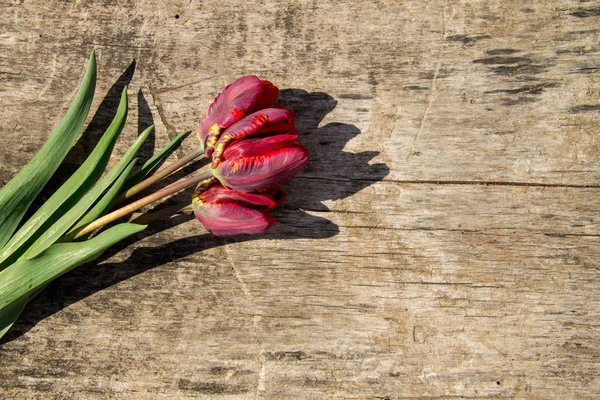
column 231, row 219
column 281, row 128
column 258, row 171
column 220, row 194
column 260, row 122
column 258, row 147
column 244, row 96
column 268, row 94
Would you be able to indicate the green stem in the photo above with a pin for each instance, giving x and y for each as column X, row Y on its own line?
column 160, row 174
column 136, row 205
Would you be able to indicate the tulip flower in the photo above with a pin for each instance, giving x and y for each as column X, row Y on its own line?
column 225, row 212
column 244, row 96
column 259, row 164
column 269, row 121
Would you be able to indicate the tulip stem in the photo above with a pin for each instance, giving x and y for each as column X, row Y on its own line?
column 136, row 205
column 160, row 174
column 146, row 218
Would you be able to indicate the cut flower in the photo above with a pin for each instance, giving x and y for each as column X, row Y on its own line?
column 240, row 98
column 224, row 212
column 259, row 164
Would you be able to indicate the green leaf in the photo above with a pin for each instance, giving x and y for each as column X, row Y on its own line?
column 156, row 161
column 9, row 315
column 12, row 312
column 60, row 203
column 74, row 214
column 18, row 194
column 60, row 227
column 107, row 200
column 23, row 278
column 103, row 205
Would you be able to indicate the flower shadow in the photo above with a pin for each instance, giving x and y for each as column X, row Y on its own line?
column 328, row 177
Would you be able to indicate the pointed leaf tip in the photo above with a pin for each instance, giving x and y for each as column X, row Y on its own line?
column 18, row 194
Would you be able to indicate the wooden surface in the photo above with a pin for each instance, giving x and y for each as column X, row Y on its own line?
column 442, row 243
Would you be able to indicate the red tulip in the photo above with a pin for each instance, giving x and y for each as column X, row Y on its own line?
column 269, row 121
column 259, row 164
column 225, row 212
column 242, row 97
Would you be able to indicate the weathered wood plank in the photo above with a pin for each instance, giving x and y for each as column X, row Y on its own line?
column 442, row 243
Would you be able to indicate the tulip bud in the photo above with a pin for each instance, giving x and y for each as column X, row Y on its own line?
column 259, row 164
column 270, row 121
column 242, row 97
column 225, row 212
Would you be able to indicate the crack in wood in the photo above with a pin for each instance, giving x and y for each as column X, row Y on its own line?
column 456, row 182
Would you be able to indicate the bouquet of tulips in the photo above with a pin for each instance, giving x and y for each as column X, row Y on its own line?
column 254, row 150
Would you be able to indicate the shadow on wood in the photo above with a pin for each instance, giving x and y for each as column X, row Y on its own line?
column 145, row 119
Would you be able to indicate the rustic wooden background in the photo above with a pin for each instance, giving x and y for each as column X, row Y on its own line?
column 443, row 243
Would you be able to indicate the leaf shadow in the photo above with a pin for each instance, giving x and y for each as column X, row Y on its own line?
column 145, row 120
column 323, row 180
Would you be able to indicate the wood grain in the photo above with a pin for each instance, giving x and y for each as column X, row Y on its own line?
column 442, row 243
